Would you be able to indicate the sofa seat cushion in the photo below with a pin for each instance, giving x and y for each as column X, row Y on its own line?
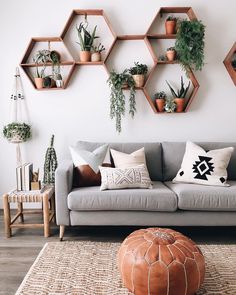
column 160, row 198
column 203, row 197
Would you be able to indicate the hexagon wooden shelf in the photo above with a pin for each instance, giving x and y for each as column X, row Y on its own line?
column 228, row 63
column 27, row 65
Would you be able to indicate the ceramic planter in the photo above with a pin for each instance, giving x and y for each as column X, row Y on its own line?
column 59, row 83
column 180, row 102
column 96, row 56
column 170, row 54
column 170, row 27
column 160, row 102
column 139, row 80
column 85, row 56
column 38, row 83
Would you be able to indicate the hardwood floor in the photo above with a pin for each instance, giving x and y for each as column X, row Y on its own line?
column 18, row 253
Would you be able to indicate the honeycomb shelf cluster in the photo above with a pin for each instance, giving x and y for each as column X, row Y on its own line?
column 148, row 38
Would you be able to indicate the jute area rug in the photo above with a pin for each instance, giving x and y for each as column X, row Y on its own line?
column 90, row 268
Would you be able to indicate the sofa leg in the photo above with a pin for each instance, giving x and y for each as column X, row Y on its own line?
column 62, row 230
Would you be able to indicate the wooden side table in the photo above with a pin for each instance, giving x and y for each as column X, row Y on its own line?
column 47, row 197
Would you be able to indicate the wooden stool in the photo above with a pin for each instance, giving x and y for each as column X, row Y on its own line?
column 47, row 197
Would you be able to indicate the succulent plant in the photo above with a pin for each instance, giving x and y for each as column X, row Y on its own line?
column 170, row 106
column 160, row 95
column 180, row 93
column 171, row 18
column 98, row 48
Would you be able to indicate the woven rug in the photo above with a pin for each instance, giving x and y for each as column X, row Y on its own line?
column 89, row 268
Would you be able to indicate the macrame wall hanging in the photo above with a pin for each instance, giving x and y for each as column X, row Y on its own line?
column 18, row 129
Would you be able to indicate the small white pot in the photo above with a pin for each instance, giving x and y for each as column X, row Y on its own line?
column 59, row 83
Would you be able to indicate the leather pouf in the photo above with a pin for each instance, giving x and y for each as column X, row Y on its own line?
column 158, row 261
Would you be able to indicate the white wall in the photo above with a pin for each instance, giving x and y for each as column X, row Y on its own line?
column 82, row 110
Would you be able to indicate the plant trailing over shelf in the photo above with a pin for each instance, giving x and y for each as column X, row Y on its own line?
column 138, row 72
column 50, row 164
column 116, row 82
column 190, row 44
column 17, row 132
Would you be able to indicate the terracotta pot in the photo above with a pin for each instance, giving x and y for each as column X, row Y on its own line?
column 160, row 102
column 139, row 80
column 96, row 56
column 180, row 102
column 85, row 56
column 170, row 54
column 38, row 83
column 170, row 27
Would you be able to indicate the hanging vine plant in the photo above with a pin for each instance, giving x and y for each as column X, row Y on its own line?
column 117, row 83
column 17, row 132
column 190, row 44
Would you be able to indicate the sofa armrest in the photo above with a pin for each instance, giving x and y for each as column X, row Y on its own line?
column 63, row 186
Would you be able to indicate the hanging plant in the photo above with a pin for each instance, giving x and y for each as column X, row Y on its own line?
column 50, row 164
column 17, row 132
column 190, row 44
column 117, row 83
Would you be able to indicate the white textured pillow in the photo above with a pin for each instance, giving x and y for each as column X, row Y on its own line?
column 203, row 167
column 116, row 178
column 123, row 160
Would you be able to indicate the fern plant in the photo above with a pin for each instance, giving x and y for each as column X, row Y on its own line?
column 190, row 44
column 50, row 164
column 117, row 82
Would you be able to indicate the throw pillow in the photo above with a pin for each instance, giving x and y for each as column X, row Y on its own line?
column 123, row 160
column 86, row 171
column 116, row 178
column 204, row 167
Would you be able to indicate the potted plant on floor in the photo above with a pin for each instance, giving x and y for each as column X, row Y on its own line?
column 16, row 132
column 96, row 54
column 86, row 40
column 179, row 95
column 160, row 98
column 138, row 73
column 190, row 44
column 117, row 82
column 170, row 25
column 171, row 53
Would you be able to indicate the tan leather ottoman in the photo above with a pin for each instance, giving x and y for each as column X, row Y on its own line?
column 158, row 261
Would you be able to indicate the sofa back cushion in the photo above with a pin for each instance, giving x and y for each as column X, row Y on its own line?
column 173, row 153
column 152, row 151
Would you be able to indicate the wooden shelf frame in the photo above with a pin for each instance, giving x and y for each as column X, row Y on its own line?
column 228, row 63
column 25, row 65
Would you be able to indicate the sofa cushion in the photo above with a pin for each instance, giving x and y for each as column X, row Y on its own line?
column 153, row 153
column 173, row 153
column 160, row 198
column 204, row 198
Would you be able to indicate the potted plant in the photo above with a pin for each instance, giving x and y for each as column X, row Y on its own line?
column 96, row 54
column 160, row 98
column 170, row 105
column 117, row 82
column 86, row 40
column 179, row 95
column 138, row 73
column 170, row 53
column 41, row 58
column 190, row 44
column 170, row 24
column 39, row 77
column 17, row 132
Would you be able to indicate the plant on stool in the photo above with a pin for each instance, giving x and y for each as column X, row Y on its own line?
column 50, row 164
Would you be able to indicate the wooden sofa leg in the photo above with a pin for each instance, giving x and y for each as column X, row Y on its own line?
column 62, row 230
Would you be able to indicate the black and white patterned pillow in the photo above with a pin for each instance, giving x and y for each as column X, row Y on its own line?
column 204, row 167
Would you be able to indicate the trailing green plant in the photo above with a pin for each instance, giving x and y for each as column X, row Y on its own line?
column 138, row 69
column 170, row 105
column 98, row 48
column 50, row 164
column 171, row 18
column 116, row 82
column 190, row 44
column 15, row 129
column 233, row 63
column 86, row 38
column 181, row 92
column 160, row 95
column 170, row 48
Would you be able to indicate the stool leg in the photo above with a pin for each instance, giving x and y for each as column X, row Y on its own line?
column 62, row 230
column 20, row 209
column 7, row 216
column 46, row 216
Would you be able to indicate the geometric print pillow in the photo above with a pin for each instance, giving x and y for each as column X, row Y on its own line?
column 204, row 167
column 117, row 178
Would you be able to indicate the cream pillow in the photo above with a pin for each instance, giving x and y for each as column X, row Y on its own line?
column 203, row 167
column 116, row 178
column 123, row 160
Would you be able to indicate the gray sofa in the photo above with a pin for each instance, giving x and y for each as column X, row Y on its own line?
column 167, row 204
